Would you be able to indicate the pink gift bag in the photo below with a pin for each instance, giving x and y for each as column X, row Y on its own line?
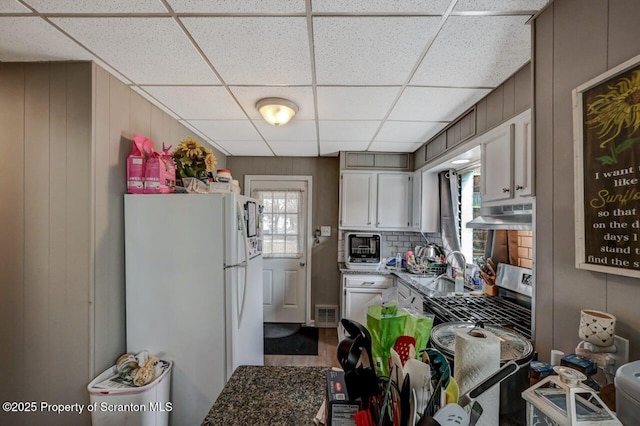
column 160, row 173
column 136, row 162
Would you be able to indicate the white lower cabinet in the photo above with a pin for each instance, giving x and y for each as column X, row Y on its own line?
column 357, row 293
column 405, row 292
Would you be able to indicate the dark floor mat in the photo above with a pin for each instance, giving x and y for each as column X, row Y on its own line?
column 304, row 341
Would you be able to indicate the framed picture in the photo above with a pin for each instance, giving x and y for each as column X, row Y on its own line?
column 606, row 120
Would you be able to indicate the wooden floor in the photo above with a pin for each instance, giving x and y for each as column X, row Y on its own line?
column 327, row 343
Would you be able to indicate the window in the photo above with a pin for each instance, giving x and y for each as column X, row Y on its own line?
column 472, row 241
column 281, row 223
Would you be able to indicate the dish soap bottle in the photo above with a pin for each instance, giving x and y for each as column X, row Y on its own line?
column 459, row 283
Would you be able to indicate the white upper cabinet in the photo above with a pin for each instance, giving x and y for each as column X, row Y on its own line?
column 375, row 200
column 507, row 169
column 357, row 200
column 425, row 206
column 394, row 200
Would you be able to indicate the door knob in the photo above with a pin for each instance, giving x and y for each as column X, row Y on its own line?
column 302, row 263
column 519, row 187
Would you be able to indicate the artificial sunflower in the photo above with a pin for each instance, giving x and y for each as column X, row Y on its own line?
column 190, row 147
column 617, row 109
column 193, row 160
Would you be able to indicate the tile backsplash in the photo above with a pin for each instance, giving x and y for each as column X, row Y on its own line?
column 394, row 242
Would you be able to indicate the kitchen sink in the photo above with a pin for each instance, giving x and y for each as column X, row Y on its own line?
column 436, row 284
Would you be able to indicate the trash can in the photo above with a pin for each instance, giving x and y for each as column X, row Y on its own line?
column 116, row 404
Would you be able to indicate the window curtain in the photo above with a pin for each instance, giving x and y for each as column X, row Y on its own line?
column 450, row 215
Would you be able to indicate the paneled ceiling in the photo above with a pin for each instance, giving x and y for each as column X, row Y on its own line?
column 366, row 74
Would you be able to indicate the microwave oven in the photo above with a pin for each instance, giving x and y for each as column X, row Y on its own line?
column 363, row 250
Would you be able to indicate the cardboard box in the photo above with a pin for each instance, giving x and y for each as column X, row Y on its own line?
column 340, row 410
column 581, row 363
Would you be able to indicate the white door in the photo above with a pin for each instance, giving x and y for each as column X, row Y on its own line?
column 286, row 272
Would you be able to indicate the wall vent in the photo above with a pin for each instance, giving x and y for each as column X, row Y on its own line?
column 326, row 316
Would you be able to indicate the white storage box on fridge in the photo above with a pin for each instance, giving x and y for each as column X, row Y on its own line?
column 147, row 405
column 628, row 393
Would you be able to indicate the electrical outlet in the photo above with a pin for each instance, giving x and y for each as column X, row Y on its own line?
column 325, row 231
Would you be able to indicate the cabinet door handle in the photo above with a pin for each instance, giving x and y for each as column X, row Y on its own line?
column 368, row 223
column 378, row 223
column 505, row 190
column 367, row 283
column 519, row 187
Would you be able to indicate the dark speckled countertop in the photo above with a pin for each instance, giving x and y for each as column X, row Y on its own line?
column 265, row 395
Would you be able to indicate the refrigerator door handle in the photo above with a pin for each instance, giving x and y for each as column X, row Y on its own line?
column 244, row 264
column 237, row 265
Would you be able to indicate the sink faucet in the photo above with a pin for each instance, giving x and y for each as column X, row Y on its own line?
column 464, row 264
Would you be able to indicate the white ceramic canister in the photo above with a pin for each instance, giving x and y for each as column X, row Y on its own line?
column 597, row 327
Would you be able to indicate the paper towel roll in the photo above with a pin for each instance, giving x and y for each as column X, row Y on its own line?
column 477, row 355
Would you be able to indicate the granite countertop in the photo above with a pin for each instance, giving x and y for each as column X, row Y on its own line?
column 267, row 395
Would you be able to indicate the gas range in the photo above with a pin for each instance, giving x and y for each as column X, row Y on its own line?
column 488, row 309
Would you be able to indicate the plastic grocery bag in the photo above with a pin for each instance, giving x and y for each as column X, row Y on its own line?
column 389, row 318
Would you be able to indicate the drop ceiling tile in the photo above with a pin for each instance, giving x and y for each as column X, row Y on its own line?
column 499, row 5
column 476, row 51
column 22, row 39
column 295, row 130
column 395, row 146
column 247, row 148
column 369, row 6
column 227, row 130
column 347, row 130
column 157, row 51
column 355, row 103
column 295, row 149
column 334, row 147
column 97, row 6
column 435, row 103
column 408, row 131
column 235, row 6
column 380, row 50
column 154, row 101
column 197, row 102
column 255, row 50
column 12, row 6
column 301, row 96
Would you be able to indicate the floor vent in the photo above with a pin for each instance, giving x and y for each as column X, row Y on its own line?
column 326, row 316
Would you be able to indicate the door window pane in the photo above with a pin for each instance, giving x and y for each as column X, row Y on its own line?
column 281, row 223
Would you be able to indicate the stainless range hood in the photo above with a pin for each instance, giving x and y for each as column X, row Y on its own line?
column 510, row 217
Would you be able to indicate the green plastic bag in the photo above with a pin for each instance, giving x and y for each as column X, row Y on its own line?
column 385, row 325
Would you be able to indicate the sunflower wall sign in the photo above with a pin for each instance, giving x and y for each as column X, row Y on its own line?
column 606, row 119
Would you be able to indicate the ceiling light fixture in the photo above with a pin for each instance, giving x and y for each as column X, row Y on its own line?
column 276, row 111
column 461, row 161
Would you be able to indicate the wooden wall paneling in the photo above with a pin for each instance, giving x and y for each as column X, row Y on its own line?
column 119, row 143
column 36, row 233
column 12, row 228
column 79, row 250
column 156, row 128
column 577, row 56
column 59, row 354
column 101, row 169
column 623, row 26
column 508, row 98
column 495, row 100
column 622, row 296
column 523, row 89
column 140, row 116
column 481, row 116
column 543, row 29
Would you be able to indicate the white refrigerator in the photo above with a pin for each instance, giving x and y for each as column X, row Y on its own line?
column 194, row 290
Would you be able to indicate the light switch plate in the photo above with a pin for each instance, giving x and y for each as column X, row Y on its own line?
column 325, row 231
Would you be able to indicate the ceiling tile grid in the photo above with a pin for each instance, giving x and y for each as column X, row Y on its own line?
column 435, row 103
column 379, row 51
column 476, row 51
column 146, row 50
column 235, row 6
column 21, row 40
column 377, row 75
column 197, row 102
column 255, row 50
